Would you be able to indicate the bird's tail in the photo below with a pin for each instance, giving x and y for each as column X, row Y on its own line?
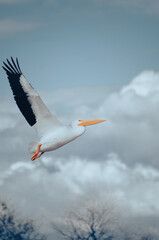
column 32, row 147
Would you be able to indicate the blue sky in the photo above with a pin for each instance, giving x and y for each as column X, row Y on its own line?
column 74, row 43
column 88, row 59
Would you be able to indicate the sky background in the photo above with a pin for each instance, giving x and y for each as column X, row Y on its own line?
column 74, row 43
column 87, row 59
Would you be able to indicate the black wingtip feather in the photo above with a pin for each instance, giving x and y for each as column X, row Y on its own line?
column 5, row 68
column 8, row 68
column 18, row 65
column 11, row 67
column 14, row 70
column 15, row 65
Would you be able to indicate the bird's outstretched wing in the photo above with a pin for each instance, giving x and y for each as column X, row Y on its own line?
column 28, row 100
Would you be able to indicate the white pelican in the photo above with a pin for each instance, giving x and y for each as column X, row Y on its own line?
column 52, row 134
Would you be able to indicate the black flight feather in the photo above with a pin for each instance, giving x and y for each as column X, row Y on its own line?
column 18, row 65
column 11, row 66
column 15, row 65
column 21, row 97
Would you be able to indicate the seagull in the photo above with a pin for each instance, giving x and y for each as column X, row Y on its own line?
column 52, row 134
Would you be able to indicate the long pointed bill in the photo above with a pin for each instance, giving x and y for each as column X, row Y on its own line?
column 89, row 122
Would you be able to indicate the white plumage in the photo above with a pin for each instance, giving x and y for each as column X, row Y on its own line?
column 52, row 134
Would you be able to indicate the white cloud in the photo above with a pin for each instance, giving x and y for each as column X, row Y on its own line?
column 7, row 122
column 119, row 156
column 132, row 114
column 144, row 6
column 13, row 1
column 144, row 85
column 11, row 26
column 135, row 187
column 9, row 1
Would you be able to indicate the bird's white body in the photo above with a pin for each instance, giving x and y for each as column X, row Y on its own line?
column 57, row 138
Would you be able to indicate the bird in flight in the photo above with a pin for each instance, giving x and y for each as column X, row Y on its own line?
column 52, row 134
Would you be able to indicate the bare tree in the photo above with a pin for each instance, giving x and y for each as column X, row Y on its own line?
column 126, row 234
column 91, row 220
column 12, row 228
column 149, row 234
column 133, row 231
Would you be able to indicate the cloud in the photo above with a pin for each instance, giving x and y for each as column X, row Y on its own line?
column 11, row 26
column 143, row 84
column 132, row 126
column 134, row 187
column 12, row 1
column 9, row 1
column 119, row 156
column 132, row 117
column 132, row 120
column 7, row 122
column 147, row 7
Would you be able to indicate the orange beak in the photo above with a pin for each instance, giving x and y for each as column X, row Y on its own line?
column 89, row 122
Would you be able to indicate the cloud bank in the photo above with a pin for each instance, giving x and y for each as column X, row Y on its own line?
column 146, row 7
column 118, row 157
column 11, row 26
